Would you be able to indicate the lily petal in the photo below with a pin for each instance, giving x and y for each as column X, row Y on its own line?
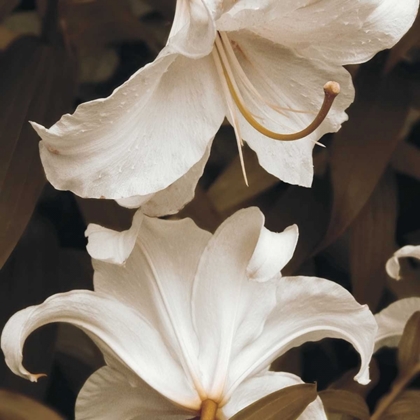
column 193, row 30
column 157, row 278
column 109, row 395
column 344, row 32
column 293, row 83
column 272, row 253
column 308, row 309
column 257, row 387
column 118, row 147
column 122, row 334
column 135, row 201
column 173, row 198
column 229, row 310
column 111, row 246
column 391, row 321
column 393, row 265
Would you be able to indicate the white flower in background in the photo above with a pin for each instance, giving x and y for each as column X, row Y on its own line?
column 260, row 63
column 190, row 321
column 391, row 321
column 393, row 265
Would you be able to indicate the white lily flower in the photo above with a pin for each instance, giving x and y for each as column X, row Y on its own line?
column 391, row 321
column 189, row 322
column 393, row 265
column 260, row 63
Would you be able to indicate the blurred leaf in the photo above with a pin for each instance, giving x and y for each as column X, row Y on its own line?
column 347, row 382
column 37, row 84
column 105, row 213
column 409, row 347
column 409, row 40
column 18, row 407
column 372, row 241
column 28, row 278
column 6, row 37
column 288, row 404
column 405, row 407
column 345, row 402
column 406, row 160
column 92, row 25
column 362, row 149
column 202, row 211
column 308, row 208
column 6, row 6
column 229, row 190
column 165, row 7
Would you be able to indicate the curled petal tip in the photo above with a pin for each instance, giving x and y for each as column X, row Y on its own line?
column 34, row 377
column 332, row 88
column 363, row 378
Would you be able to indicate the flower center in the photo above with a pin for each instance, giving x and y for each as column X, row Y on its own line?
column 235, row 81
column 208, row 410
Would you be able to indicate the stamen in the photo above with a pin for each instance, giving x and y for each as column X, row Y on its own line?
column 253, row 92
column 239, row 141
column 208, row 410
column 331, row 90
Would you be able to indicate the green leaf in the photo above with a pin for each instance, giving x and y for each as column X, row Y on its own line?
column 345, row 402
column 409, row 347
column 287, row 404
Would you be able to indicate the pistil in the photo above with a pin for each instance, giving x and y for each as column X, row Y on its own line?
column 331, row 90
column 208, row 410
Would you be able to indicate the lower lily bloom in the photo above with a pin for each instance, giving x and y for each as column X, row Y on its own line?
column 189, row 322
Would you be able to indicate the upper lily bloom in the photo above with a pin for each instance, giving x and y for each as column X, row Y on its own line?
column 189, row 322
column 262, row 64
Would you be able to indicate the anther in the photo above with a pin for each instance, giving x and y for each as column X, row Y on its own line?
column 208, row 410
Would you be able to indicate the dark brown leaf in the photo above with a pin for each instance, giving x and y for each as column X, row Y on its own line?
column 6, row 6
column 363, row 148
column 406, row 160
column 409, row 40
column 105, row 213
column 372, row 241
column 166, row 7
column 288, row 404
column 409, row 347
column 405, row 407
column 229, row 190
column 202, row 211
column 92, row 25
column 18, row 407
column 37, row 84
column 345, row 402
column 29, row 277
column 311, row 218
column 347, row 382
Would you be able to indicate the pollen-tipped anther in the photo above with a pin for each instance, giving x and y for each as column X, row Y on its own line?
column 332, row 88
